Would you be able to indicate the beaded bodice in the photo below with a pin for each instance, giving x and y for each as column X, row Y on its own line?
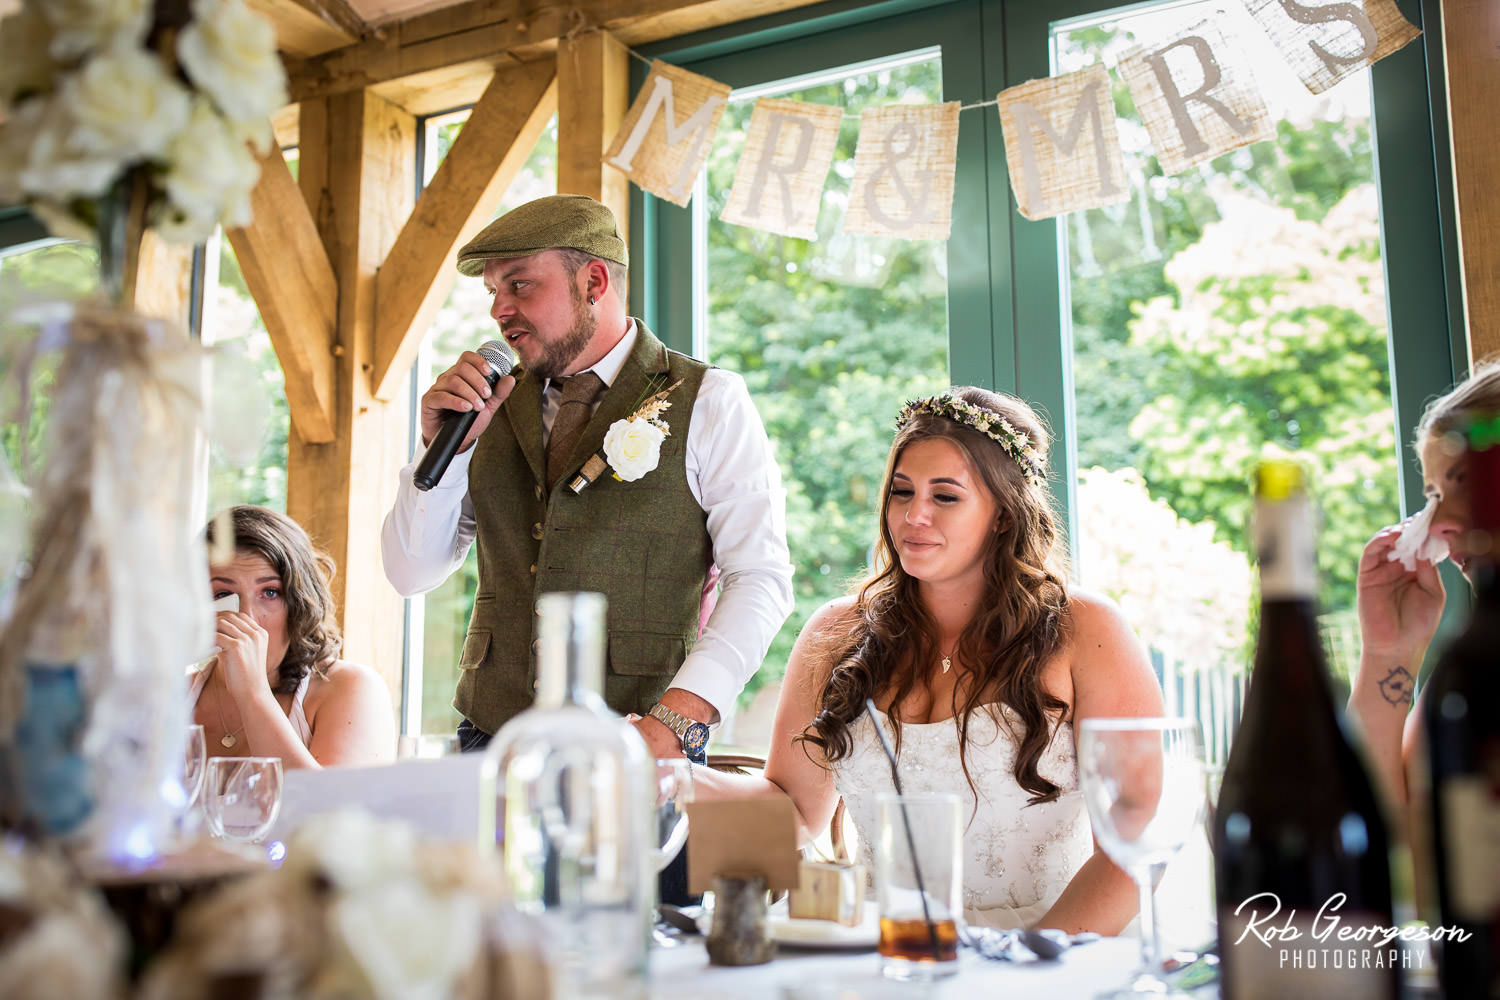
column 1017, row 857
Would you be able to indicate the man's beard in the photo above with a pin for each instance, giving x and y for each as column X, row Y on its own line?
column 557, row 356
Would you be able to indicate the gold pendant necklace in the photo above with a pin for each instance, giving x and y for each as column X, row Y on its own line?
column 227, row 741
column 948, row 660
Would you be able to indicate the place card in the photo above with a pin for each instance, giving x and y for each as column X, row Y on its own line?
column 743, row 837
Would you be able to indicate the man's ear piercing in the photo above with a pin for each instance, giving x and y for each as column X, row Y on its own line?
column 591, row 300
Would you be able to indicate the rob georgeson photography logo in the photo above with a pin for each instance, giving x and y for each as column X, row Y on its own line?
column 1330, row 940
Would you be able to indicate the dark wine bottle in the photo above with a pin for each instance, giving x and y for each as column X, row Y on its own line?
column 1300, row 847
column 1461, row 714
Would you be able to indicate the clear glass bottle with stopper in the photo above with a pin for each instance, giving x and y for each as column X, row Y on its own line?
column 575, row 790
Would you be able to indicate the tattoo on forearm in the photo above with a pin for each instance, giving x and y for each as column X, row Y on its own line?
column 1397, row 687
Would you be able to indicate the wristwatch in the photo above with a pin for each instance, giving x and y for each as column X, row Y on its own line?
column 693, row 734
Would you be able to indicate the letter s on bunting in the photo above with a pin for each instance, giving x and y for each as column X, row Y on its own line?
column 1079, row 166
column 1327, row 42
column 903, row 171
column 664, row 153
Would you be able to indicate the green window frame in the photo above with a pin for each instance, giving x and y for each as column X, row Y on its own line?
column 1006, row 288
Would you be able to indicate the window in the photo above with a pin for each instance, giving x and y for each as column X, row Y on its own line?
column 438, row 620
column 1070, row 313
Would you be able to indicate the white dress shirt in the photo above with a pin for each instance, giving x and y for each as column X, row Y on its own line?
column 732, row 475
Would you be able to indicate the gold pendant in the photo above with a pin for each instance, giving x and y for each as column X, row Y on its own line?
column 947, row 664
column 227, row 741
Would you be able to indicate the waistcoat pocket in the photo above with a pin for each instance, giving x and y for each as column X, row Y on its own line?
column 646, row 654
column 476, row 648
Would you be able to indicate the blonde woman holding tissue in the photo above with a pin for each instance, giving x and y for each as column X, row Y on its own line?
column 1400, row 592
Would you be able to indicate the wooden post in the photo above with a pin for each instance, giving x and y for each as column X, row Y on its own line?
column 357, row 170
column 1471, row 43
column 593, row 94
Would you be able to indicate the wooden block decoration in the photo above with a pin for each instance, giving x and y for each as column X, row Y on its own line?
column 1197, row 97
column 1061, row 144
column 664, row 140
column 903, row 171
column 1329, row 41
column 778, row 183
column 829, row 891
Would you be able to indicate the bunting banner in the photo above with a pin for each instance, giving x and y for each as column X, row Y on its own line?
column 1196, row 96
column 1061, row 143
column 778, row 183
column 1327, row 42
column 1194, row 92
column 904, row 164
column 663, row 141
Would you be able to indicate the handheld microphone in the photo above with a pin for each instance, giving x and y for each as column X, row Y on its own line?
column 457, row 423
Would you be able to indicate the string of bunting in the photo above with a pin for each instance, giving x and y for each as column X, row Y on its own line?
column 1194, row 91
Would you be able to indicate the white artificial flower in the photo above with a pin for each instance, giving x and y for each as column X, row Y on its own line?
column 410, row 942
column 56, row 167
column 229, row 51
column 210, row 172
column 354, row 850
column 26, row 62
column 633, row 447
column 85, row 25
column 125, row 105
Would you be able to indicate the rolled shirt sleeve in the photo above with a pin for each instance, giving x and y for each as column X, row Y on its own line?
column 733, row 475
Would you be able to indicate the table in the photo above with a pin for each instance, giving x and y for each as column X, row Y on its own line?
column 1082, row 972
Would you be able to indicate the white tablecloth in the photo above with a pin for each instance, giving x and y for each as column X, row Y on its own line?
column 1081, row 973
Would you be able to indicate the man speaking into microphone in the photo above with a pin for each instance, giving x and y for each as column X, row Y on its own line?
column 531, row 484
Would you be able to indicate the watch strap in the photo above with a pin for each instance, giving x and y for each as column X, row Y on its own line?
column 675, row 721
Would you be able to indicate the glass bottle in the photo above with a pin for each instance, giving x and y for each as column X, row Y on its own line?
column 1460, row 708
column 1300, row 845
column 574, row 782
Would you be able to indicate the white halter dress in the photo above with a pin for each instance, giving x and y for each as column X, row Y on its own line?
column 1018, row 858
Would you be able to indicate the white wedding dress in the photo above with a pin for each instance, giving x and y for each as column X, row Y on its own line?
column 1018, row 858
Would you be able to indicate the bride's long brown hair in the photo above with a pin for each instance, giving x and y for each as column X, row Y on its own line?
column 885, row 643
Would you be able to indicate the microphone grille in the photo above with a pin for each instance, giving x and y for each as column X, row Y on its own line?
column 497, row 353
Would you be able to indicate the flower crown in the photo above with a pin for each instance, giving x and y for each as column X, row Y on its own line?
column 993, row 426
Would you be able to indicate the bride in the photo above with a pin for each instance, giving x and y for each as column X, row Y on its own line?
column 980, row 660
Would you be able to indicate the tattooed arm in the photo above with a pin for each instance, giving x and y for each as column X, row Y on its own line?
column 1398, row 614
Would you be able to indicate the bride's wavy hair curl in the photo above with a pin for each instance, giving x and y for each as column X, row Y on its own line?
column 887, row 641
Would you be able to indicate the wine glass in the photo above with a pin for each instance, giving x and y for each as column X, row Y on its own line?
column 674, row 790
column 242, row 796
column 194, row 762
column 1143, row 783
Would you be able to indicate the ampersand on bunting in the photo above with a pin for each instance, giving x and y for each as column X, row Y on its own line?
column 903, row 172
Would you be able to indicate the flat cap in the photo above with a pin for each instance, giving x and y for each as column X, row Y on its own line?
column 559, row 220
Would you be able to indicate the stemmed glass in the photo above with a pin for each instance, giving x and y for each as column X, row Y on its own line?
column 674, row 790
column 242, row 796
column 1143, row 783
column 194, row 760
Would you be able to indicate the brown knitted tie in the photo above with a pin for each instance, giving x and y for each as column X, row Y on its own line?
column 578, row 394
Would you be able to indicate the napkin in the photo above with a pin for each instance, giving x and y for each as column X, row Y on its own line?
column 1415, row 542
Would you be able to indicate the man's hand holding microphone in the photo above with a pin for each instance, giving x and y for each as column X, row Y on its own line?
column 459, row 406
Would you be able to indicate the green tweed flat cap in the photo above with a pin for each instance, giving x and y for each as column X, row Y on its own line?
column 559, row 220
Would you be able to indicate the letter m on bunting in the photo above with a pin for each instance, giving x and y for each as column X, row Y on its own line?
column 1061, row 145
column 664, row 140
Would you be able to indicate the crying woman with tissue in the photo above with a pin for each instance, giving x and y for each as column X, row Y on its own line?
column 1401, row 595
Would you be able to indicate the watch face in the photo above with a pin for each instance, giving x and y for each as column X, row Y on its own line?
column 696, row 737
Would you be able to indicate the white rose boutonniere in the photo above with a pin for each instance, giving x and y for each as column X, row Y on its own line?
column 632, row 447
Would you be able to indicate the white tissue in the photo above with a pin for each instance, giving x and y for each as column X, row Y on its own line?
column 1415, row 542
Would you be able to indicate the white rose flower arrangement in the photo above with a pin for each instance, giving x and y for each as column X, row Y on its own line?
column 89, row 97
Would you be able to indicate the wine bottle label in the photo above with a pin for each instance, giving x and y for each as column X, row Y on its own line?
column 1471, row 822
column 1293, row 956
column 1285, row 549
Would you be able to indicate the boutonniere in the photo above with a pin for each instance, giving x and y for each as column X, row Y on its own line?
column 632, row 446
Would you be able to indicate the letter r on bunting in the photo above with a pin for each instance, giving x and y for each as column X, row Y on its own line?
column 1327, row 42
column 778, row 183
column 1197, row 71
column 657, row 151
column 1079, row 166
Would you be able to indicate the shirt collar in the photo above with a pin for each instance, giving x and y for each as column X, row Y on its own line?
column 608, row 367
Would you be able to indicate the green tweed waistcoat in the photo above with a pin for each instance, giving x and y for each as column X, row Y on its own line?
column 644, row 545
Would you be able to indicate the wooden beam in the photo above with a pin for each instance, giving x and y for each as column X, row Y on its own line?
column 417, row 275
column 1471, row 40
column 310, row 27
column 164, row 280
column 497, row 33
column 593, row 94
column 289, row 276
column 358, row 167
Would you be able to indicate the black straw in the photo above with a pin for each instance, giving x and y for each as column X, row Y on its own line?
column 911, row 842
